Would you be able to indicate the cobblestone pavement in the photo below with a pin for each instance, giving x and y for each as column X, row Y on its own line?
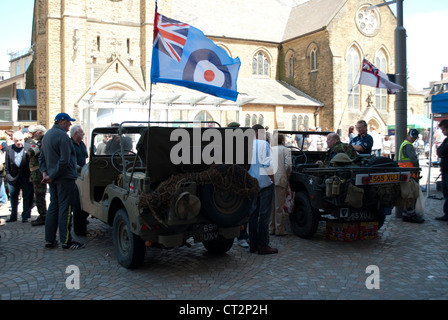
column 412, row 261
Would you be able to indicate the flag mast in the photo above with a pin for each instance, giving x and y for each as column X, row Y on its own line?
column 147, row 182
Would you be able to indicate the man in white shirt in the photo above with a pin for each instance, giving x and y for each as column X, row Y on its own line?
column 261, row 169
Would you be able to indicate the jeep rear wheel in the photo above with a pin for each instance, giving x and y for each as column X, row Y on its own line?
column 304, row 221
column 218, row 246
column 129, row 249
column 224, row 208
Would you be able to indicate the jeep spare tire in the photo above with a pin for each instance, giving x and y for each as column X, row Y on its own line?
column 224, row 207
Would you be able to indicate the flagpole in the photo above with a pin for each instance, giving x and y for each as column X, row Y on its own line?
column 147, row 182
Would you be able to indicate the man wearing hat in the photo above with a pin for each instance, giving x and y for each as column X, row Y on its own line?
column 40, row 189
column 57, row 162
column 407, row 157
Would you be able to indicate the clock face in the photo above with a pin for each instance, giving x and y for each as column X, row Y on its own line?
column 368, row 20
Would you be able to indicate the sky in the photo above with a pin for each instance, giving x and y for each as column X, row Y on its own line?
column 427, row 50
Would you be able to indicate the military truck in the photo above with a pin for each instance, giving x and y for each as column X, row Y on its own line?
column 363, row 190
column 163, row 185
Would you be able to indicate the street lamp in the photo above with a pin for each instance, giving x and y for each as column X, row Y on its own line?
column 401, row 97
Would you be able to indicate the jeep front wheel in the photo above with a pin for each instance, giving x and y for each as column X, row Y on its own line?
column 129, row 249
column 304, row 221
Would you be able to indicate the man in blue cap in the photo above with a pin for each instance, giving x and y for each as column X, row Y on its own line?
column 57, row 162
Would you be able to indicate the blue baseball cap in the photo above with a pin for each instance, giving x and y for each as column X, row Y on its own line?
column 63, row 116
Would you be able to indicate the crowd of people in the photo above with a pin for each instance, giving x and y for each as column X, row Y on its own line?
column 34, row 158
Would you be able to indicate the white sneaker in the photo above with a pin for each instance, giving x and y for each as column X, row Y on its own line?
column 243, row 243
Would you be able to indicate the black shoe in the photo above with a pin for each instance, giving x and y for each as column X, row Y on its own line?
column 442, row 218
column 253, row 249
column 38, row 222
column 73, row 245
column 51, row 244
column 25, row 220
column 267, row 250
column 11, row 220
column 414, row 219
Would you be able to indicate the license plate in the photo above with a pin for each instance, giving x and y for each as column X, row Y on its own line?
column 385, row 178
column 381, row 178
column 355, row 215
column 210, row 232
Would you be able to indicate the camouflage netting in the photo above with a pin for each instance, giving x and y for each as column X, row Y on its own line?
column 233, row 179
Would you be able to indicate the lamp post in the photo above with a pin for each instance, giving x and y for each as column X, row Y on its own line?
column 401, row 97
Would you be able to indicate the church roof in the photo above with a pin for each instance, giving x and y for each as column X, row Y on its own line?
column 266, row 20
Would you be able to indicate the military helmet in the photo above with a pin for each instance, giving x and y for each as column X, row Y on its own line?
column 341, row 158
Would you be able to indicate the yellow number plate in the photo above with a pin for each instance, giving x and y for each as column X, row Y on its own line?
column 385, row 178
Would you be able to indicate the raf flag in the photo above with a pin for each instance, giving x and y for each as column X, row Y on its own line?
column 372, row 76
column 182, row 55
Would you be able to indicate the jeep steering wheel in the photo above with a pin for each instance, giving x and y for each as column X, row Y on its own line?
column 119, row 166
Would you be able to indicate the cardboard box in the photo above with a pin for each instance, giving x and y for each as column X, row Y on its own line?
column 368, row 230
column 342, row 231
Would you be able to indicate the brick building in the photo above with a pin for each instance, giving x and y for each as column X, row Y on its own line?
column 300, row 60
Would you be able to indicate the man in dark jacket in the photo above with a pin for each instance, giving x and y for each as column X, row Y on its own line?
column 18, row 177
column 442, row 153
column 57, row 162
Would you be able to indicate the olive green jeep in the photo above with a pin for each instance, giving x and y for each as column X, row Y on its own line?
column 159, row 186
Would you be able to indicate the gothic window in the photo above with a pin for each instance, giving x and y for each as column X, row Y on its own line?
column 260, row 65
column 313, row 59
column 294, row 123
column 306, row 122
column 261, row 120
column 299, row 121
column 381, row 94
column 291, row 66
column 353, row 67
column 312, row 55
column 254, row 119
column 247, row 120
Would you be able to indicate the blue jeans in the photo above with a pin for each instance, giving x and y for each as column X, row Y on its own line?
column 59, row 210
column 27, row 198
column 3, row 195
column 445, row 192
column 260, row 217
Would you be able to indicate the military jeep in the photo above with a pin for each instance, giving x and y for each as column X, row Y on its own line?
column 362, row 190
column 159, row 186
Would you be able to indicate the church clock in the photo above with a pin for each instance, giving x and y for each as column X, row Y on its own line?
column 368, row 20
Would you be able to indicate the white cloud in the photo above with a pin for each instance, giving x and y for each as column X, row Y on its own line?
column 427, row 50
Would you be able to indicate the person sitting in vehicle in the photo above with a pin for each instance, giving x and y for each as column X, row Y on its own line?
column 336, row 146
column 363, row 142
column 114, row 144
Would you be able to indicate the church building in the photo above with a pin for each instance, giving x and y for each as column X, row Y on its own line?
column 300, row 61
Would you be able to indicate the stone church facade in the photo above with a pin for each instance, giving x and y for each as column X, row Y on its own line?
column 299, row 62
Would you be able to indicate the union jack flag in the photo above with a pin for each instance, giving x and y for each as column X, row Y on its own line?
column 170, row 36
column 368, row 67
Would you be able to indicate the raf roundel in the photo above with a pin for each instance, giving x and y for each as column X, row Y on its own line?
column 206, row 72
column 204, row 66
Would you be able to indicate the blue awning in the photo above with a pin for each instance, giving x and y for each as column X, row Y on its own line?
column 26, row 97
column 440, row 103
